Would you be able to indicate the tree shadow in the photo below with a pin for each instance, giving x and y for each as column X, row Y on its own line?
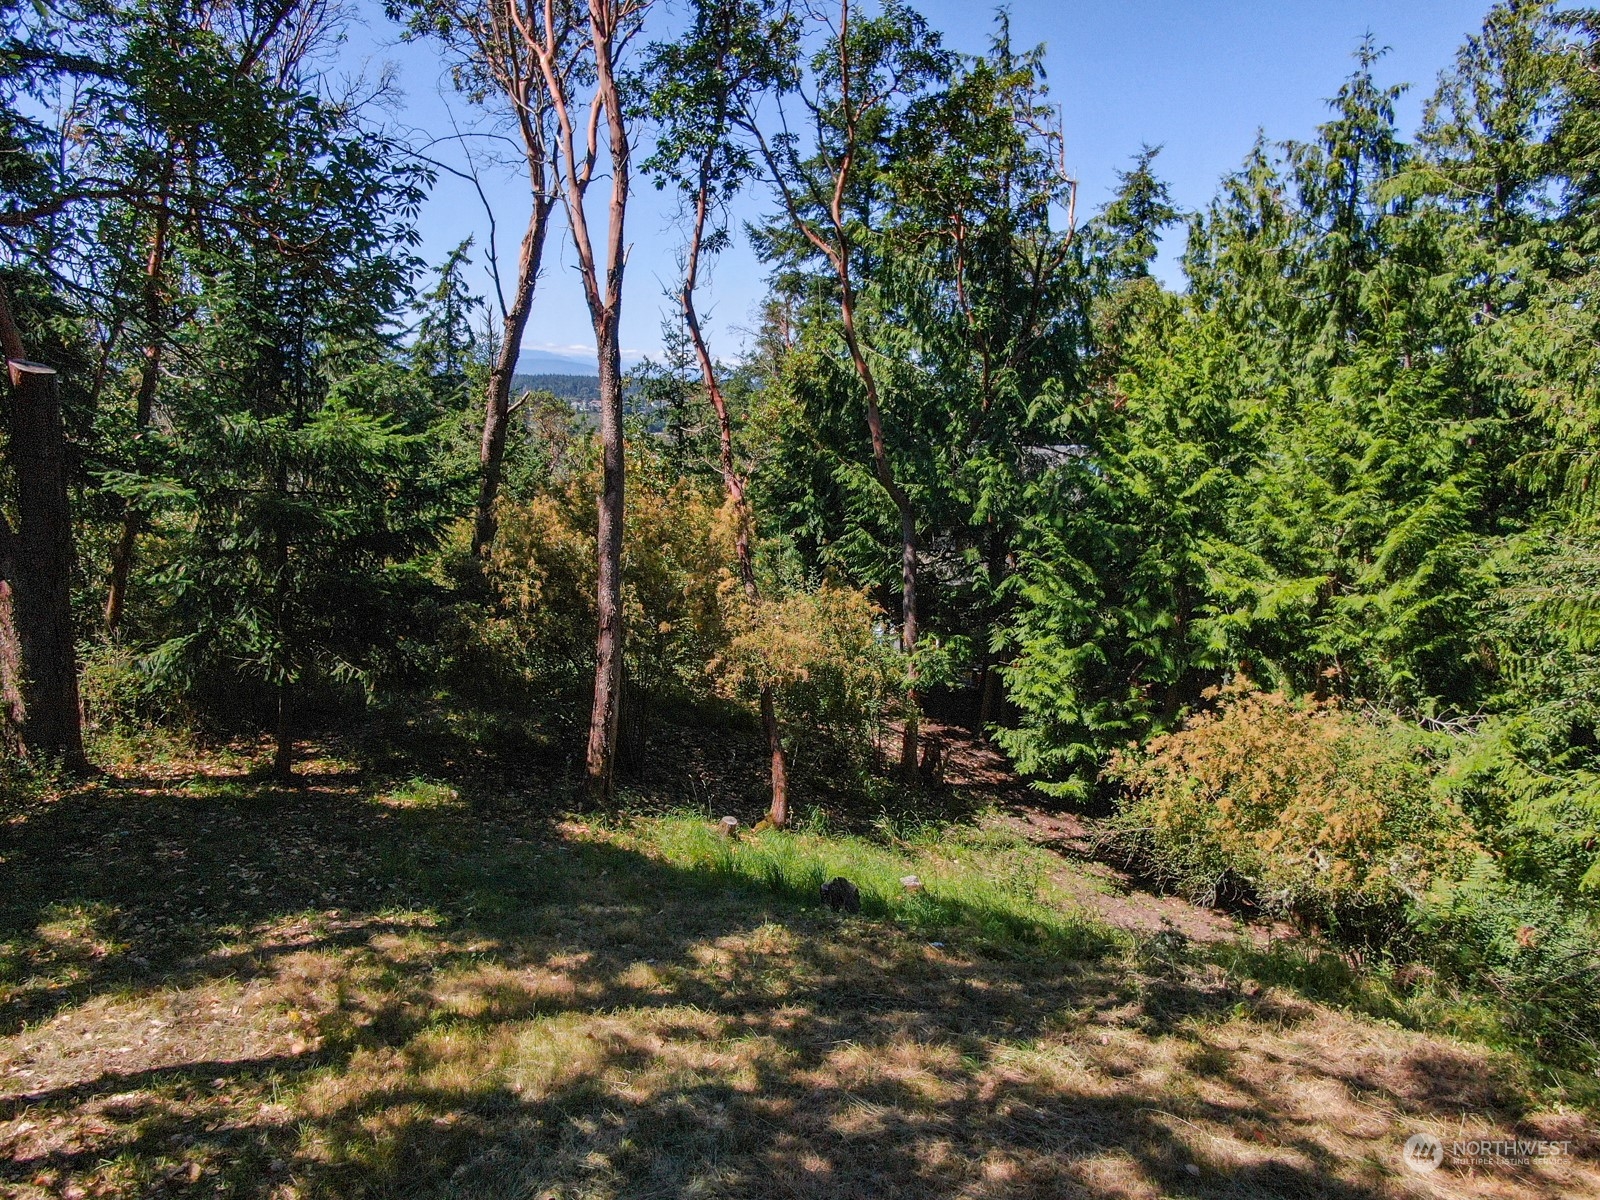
column 487, row 1006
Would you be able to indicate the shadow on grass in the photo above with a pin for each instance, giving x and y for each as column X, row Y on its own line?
column 492, row 1008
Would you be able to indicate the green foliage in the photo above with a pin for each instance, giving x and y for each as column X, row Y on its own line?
column 1117, row 624
column 290, row 542
column 831, row 662
column 444, row 349
column 1531, row 776
column 1353, row 457
column 1537, row 953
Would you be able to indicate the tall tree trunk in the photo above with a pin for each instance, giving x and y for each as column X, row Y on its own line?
column 11, row 706
column 600, row 757
column 149, row 381
column 778, row 759
column 734, row 484
column 908, row 633
column 838, row 248
column 497, row 407
column 610, row 24
column 605, row 312
column 902, row 503
column 37, row 558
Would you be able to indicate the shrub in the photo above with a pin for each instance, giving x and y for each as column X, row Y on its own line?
column 835, row 670
column 116, row 693
column 1527, row 946
column 1311, row 809
column 543, row 568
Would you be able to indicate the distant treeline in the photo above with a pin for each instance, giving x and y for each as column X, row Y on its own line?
column 581, row 391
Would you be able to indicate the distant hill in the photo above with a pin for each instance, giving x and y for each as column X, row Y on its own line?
column 543, row 362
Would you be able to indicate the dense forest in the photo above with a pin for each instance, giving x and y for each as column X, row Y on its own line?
column 1291, row 570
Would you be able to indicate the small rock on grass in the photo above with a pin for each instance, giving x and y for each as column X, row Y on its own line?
column 841, row 895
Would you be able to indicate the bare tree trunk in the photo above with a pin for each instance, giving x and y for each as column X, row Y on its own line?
column 283, row 742
column 605, row 310
column 778, row 809
column 600, row 757
column 37, row 559
column 497, row 407
column 902, row 503
column 10, row 661
column 908, row 632
column 546, row 37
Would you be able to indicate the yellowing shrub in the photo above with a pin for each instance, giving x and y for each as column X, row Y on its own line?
column 675, row 551
column 828, row 656
column 1316, row 810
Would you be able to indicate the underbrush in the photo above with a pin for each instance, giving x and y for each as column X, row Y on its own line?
column 1534, row 954
column 1307, row 809
column 1341, row 822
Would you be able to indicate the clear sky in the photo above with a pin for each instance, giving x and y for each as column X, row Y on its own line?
column 1197, row 77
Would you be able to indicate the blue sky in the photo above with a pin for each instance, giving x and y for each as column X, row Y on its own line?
column 1197, row 77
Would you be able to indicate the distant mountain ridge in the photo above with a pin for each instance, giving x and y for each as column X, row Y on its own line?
column 543, row 362
column 547, row 362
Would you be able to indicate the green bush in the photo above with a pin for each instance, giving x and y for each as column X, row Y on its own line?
column 826, row 654
column 1535, row 952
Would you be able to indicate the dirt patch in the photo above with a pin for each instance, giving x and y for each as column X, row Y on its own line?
column 1101, row 889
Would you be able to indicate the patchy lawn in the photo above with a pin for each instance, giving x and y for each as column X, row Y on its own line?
column 211, row 986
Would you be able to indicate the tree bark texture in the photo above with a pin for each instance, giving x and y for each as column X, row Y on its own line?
column 37, row 558
column 497, row 406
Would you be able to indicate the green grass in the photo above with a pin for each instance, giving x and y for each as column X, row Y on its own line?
column 985, row 891
column 403, row 988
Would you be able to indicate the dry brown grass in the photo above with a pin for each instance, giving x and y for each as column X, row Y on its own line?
column 213, row 988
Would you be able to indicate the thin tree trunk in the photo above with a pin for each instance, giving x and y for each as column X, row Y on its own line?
column 149, row 380
column 778, row 810
column 12, row 710
column 497, row 407
column 283, row 743
column 37, row 559
column 880, row 447
column 837, row 248
column 601, row 754
column 908, row 634
column 545, row 35
column 902, row 503
column 605, row 311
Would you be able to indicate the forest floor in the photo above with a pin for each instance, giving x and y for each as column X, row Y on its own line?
column 211, row 985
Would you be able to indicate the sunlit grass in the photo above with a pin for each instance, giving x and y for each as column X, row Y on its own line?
column 983, row 890
column 377, row 989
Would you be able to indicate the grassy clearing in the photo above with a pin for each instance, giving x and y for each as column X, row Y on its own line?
column 407, row 988
column 986, row 890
